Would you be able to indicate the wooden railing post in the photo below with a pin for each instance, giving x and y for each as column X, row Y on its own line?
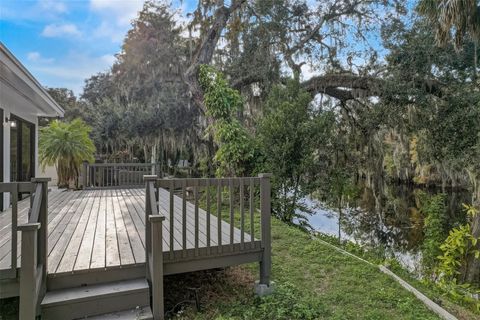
column 149, row 184
column 28, row 272
column 156, row 266
column 265, row 210
column 43, row 232
column 84, row 174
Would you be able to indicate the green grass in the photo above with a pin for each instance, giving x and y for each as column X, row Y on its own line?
column 312, row 280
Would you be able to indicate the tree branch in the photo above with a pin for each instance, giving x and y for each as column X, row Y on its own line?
column 204, row 52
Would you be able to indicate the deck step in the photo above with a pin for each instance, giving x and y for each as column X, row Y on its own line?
column 81, row 302
column 144, row 313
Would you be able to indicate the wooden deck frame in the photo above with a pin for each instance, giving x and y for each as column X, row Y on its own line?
column 167, row 220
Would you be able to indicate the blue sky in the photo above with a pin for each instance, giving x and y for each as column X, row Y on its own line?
column 63, row 42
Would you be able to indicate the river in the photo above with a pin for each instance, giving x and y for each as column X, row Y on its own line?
column 391, row 221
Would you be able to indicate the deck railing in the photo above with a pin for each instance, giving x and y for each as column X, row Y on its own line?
column 33, row 272
column 247, row 211
column 108, row 175
column 14, row 189
column 153, row 247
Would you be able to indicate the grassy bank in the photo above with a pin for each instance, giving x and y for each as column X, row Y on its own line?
column 312, row 280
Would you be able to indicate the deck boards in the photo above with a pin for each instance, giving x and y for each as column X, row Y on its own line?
column 92, row 229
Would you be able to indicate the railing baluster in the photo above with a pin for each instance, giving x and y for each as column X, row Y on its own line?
column 207, row 194
column 14, row 196
column 102, row 177
column 197, row 227
column 184, row 218
column 242, row 215
column 219, row 215
column 84, row 174
column 171, row 216
column 252, row 212
column 232, row 212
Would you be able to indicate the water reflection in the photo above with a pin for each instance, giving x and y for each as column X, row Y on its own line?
column 391, row 220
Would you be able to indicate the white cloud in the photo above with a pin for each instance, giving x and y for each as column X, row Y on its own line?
column 59, row 30
column 109, row 59
column 122, row 11
column 116, row 16
column 109, row 30
column 71, row 71
column 35, row 56
column 53, row 5
column 40, row 10
column 308, row 71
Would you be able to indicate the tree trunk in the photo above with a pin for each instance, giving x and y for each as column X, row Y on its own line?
column 153, row 156
column 145, row 152
column 204, row 52
column 475, row 60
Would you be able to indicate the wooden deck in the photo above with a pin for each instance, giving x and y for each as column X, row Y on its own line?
column 103, row 228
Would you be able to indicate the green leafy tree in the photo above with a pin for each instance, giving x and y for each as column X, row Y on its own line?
column 434, row 228
column 66, row 145
column 69, row 102
column 140, row 109
column 287, row 136
column 236, row 150
column 455, row 262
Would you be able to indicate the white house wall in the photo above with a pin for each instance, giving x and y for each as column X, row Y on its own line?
column 8, row 110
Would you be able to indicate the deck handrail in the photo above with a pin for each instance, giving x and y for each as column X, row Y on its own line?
column 14, row 189
column 33, row 274
column 108, row 175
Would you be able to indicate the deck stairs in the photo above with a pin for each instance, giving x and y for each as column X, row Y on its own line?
column 123, row 300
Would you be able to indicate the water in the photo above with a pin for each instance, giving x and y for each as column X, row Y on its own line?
column 391, row 220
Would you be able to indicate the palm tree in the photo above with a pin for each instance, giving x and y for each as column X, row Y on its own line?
column 461, row 15
column 66, row 145
column 454, row 19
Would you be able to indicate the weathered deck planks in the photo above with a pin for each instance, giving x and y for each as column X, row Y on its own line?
column 102, row 228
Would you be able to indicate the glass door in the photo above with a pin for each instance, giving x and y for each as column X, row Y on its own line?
column 22, row 150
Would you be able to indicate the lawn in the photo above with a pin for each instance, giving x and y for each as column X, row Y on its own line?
column 312, row 281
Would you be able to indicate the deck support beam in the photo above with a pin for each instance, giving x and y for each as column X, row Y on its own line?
column 28, row 272
column 156, row 267
column 265, row 210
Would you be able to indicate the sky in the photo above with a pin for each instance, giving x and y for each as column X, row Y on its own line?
column 64, row 42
